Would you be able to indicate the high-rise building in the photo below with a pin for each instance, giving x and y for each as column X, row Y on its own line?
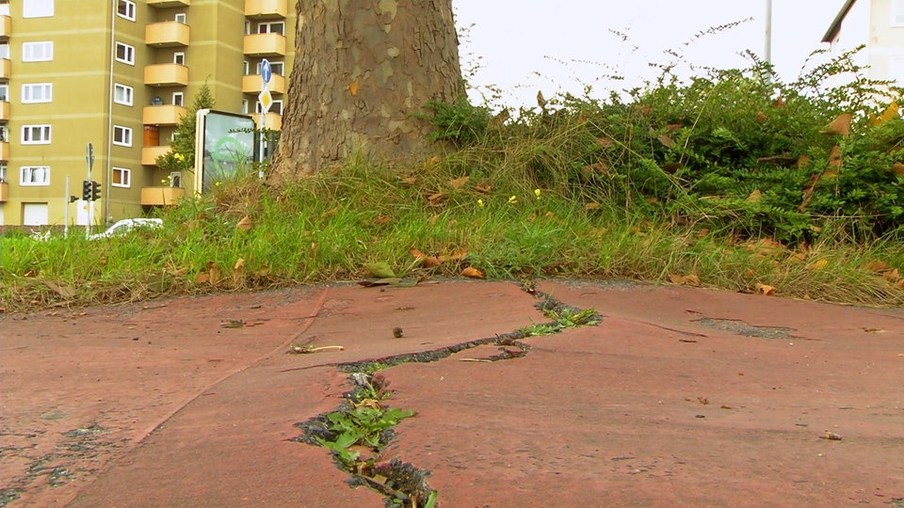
column 119, row 74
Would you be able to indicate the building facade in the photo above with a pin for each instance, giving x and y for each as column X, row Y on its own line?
column 877, row 24
column 119, row 75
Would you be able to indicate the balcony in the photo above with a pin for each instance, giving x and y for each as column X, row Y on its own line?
column 4, row 192
column 166, row 4
column 252, row 84
column 4, row 68
column 4, row 110
column 263, row 45
column 166, row 34
column 149, row 154
column 166, row 75
column 272, row 121
column 165, row 114
column 161, row 196
column 5, row 27
column 266, row 9
column 4, row 151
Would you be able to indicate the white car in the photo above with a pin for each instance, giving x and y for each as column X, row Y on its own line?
column 126, row 226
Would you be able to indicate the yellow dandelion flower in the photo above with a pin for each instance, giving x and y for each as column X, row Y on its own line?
column 480, row 203
column 537, row 193
column 513, row 200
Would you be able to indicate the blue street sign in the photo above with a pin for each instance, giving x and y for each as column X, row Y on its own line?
column 266, row 73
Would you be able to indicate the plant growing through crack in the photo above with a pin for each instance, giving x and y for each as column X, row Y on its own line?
column 562, row 317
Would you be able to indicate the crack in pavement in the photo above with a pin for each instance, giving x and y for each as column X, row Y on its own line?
column 402, row 483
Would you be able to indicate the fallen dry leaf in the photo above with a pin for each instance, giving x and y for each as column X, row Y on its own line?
column 819, row 264
column 244, row 224
column 593, row 205
column 239, row 265
column 688, row 280
column 473, row 273
column 831, row 436
column 458, row 183
column 898, row 169
column 754, row 196
column 765, row 289
column 411, row 180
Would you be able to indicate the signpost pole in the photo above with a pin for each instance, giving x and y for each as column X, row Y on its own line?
column 66, row 215
column 265, row 100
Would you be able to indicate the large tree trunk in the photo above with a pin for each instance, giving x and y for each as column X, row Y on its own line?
column 364, row 69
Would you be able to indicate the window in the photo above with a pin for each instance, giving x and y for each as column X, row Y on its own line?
column 122, row 177
column 179, row 58
column 4, row 91
column 35, row 134
column 273, row 27
column 247, row 27
column 37, row 51
column 122, row 94
column 181, row 18
column 897, row 13
column 126, row 9
column 4, row 50
column 276, row 107
column 122, row 136
column 275, row 67
column 245, row 68
column 178, row 99
column 244, row 106
column 34, row 175
column 36, row 92
column 125, row 53
column 4, row 8
column 37, row 8
column 2, row 171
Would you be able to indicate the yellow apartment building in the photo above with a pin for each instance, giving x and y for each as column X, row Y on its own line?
column 119, row 74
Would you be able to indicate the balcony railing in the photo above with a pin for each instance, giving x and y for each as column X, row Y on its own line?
column 252, row 84
column 4, row 192
column 266, row 9
column 4, row 151
column 5, row 27
column 271, row 44
column 166, row 34
column 166, row 75
column 4, row 68
column 149, row 154
column 4, row 110
column 165, row 4
column 166, row 114
column 272, row 121
column 161, row 196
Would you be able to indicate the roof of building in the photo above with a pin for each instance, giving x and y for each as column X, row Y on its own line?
column 832, row 33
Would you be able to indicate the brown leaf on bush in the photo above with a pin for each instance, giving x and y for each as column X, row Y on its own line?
column 765, row 289
column 803, row 161
column 891, row 112
column 761, row 117
column 473, row 273
column 458, row 182
column 666, row 141
column 840, row 126
column 898, row 169
column 778, row 103
column 244, row 224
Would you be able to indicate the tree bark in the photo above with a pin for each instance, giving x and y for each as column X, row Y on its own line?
column 364, row 69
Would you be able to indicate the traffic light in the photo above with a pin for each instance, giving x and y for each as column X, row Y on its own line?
column 86, row 190
column 95, row 191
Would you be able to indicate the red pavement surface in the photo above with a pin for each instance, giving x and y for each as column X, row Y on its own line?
column 680, row 397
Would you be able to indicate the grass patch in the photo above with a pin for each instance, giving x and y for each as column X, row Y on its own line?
column 731, row 181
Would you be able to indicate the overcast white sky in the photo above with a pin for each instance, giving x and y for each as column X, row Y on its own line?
column 568, row 43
